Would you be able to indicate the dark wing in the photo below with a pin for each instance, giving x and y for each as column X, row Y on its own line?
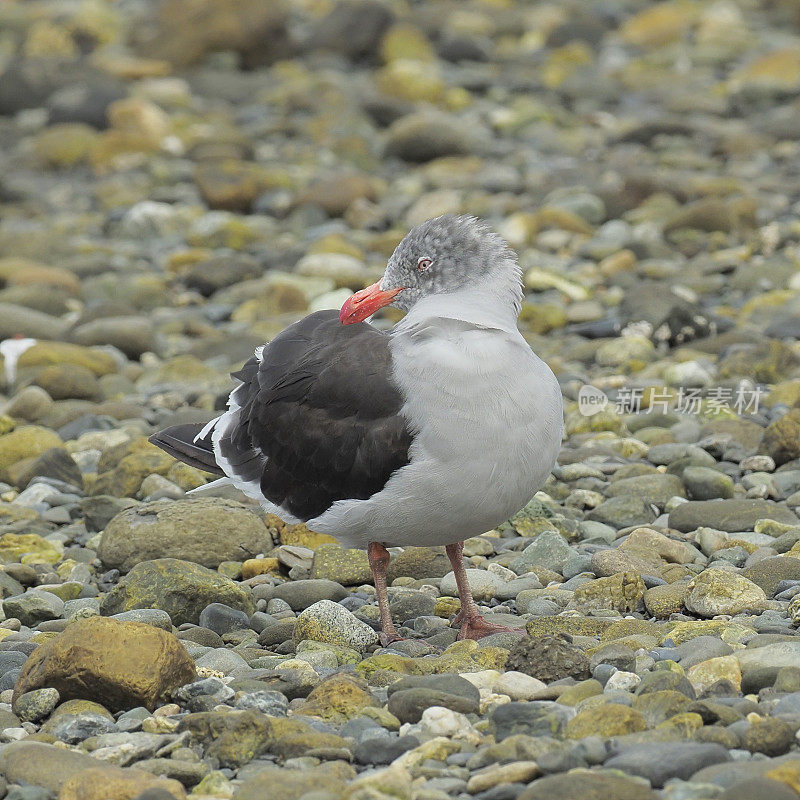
column 319, row 417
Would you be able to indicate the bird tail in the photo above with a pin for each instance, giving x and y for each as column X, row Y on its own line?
column 190, row 443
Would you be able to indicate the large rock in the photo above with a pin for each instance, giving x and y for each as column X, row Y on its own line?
column 187, row 30
column 663, row 761
column 132, row 335
column 44, row 354
column 347, row 567
column 119, row 664
column 28, row 441
column 42, row 764
column 550, row 657
column 419, row 563
column 720, row 591
column 781, row 438
column 327, row 779
column 16, row 319
column 609, row 719
column 332, row 623
column 426, row 135
column 769, row 572
column 206, row 531
column 728, row 515
column 621, row 592
column 180, row 588
column 353, row 28
column 623, row 511
column 655, row 488
column 109, row 782
column 587, row 786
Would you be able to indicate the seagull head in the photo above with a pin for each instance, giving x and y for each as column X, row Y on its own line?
column 442, row 255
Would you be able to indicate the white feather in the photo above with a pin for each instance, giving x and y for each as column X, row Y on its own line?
column 488, row 416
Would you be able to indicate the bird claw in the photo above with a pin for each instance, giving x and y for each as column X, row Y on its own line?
column 390, row 638
column 478, row 627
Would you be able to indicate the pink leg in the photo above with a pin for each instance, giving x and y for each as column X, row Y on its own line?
column 473, row 625
column 378, row 562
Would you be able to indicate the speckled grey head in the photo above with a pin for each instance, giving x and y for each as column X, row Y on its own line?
column 447, row 254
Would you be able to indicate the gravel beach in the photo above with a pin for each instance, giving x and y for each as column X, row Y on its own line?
column 181, row 180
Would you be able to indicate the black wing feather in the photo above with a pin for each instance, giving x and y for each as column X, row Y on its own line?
column 320, row 416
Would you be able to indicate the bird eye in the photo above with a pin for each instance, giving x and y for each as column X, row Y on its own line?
column 423, row 263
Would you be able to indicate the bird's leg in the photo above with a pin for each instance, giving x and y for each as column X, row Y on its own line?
column 473, row 625
column 378, row 557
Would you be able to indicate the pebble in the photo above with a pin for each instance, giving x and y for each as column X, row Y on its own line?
column 238, row 654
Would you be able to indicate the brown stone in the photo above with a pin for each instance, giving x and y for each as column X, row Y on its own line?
column 115, row 783
column 119, row 664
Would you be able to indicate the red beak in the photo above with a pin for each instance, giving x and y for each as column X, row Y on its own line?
column 365, row 303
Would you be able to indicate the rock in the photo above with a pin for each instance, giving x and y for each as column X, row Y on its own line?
column 337, row 699
column 302, row 594
column 15, row 319
column 772, row 737
column 667, row 760
column 410, row 697
column 419, row 563
column 766, row 362
column 132, row 335
column 326, row 621
column 621, row 592
column 424, row 136
column 211, row 275
column 344, row 566
column 33, row 607
column 718, row 591
column 605, row 721
column 284, row 784
column 671, row 317
column 787, row 773
column 54, row 463
column 120, row 664
column 781, row 438
column 708, row 672
column 548, row 658
column 728, row 515
column 63, row 382
column 108, row 782
column 605, row 563
column 587, row 786
column 180, row 588
column 354, row 28
column 35, row 705
column 518, row 685
column 204, row 531
column 54, row 353
column 228, row 185
column 704, row 483
column 549, row 550
column 30, row 404
column 26, row 442
column 383, row 750
column 127, row 475
column 758, row 787
column 28, row 548
column 623, row 512
column 769, row 572
column 255, row 31
column 484, row 584
column 335, row 193
column 223, row 619
column 42, row 764
column 99, row 510
column 654, row 488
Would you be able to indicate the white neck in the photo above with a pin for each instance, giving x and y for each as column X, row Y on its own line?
column 494, row 302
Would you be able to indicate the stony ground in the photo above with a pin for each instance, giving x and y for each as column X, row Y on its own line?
column 179, row 186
